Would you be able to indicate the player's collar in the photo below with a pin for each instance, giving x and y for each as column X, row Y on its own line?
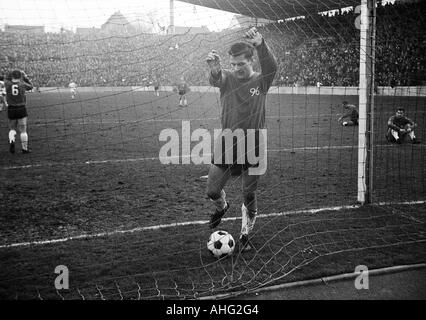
column 248, row 78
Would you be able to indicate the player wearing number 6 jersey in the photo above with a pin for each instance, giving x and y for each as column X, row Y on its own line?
column 243, row 99
column 16, row 87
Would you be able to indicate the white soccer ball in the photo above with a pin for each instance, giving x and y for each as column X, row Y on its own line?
column 221, row 244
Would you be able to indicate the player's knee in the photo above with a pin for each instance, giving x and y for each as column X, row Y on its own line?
column 22, row 128
column 249, row 197
column 213, row 193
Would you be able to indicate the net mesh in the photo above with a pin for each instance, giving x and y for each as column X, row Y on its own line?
column 94, row 197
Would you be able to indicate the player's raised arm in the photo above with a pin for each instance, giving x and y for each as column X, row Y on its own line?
column 216, row 75
column 28, row 85
column 27, row 82
column 268, row 62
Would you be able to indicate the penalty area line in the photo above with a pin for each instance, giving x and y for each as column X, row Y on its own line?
column 107, row 161
column 164, row 226
column 192, row 223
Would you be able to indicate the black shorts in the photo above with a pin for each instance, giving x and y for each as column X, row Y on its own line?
column 156, row 88
column 16, row 112
column 237, row 168
column 181, row 92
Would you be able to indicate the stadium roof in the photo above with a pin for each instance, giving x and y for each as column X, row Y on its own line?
column 274, row 9
column 118, row 19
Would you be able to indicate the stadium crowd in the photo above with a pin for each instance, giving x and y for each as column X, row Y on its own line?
column 320, row 49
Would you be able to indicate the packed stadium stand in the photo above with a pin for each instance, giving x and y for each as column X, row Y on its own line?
column 328, row 53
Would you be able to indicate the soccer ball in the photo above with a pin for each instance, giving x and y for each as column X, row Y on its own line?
column 221, row 244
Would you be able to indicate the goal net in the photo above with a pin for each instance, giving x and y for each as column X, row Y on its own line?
column 111, row 202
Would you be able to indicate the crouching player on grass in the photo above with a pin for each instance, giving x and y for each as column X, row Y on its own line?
column 400, row 127
column 16, row 87
column 243, row 96
column 351, row 113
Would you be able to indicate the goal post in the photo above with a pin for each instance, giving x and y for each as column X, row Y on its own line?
column 366, row 100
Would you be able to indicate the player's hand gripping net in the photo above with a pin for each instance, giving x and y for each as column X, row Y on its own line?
column 253, row 36
column 213, row 60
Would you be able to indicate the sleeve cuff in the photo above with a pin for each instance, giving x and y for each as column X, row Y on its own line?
column 216, row 77
column 261, row 44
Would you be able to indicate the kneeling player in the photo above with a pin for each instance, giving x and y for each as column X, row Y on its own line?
column 351, row 113
column 400, row 127
column 16, row 89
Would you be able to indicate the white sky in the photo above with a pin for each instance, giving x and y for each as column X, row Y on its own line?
column 70, row 14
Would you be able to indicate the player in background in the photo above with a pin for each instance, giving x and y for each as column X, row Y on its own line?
column 182, row 89
column 351, row 112
column 73, row 89
column 243, row 101
column 156, row 84
column 3, row 103
column 16, row 87
column 399, row 127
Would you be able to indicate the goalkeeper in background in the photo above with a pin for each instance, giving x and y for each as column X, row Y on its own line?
column 243, row 101
column 400, row 127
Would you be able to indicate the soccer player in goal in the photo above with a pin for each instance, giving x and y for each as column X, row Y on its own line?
column 243, row 96
column 400, row 127
column 16, row 87
column 351, row 113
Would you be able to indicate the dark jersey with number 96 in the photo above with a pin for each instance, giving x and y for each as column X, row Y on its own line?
column 15, row 92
